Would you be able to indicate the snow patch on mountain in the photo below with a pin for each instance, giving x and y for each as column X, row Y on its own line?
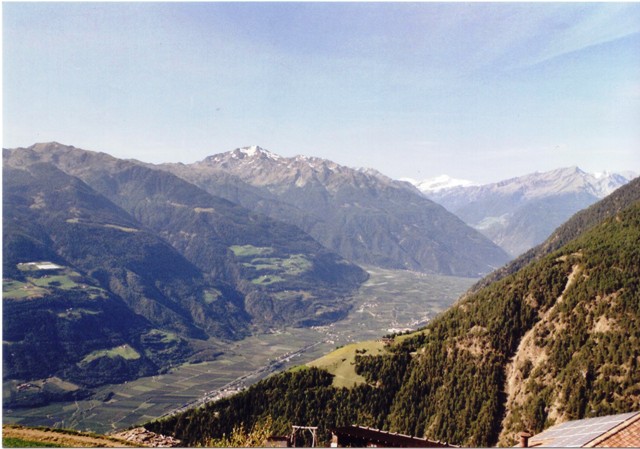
column 439, row 183
column 534, row 185
column 254, row 151
column 564, row 180
column 262, row 167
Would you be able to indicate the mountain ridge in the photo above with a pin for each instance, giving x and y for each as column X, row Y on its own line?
column 520, row 212
column 360, row 213
column 159, row 199
column 600, row 184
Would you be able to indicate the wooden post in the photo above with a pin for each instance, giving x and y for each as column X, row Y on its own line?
column 313, row 430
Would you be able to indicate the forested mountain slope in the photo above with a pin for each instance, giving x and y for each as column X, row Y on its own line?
column 245, row 253
column 106, row 293
column 558, row 339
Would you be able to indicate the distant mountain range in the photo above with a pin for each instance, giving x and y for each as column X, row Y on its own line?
column 521, row 212
column 362, row 215
column 115, row 269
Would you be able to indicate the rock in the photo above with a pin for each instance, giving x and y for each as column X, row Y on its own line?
column 144, row 437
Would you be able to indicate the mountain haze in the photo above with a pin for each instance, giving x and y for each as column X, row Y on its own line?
column 361, row 214
column 521, row 212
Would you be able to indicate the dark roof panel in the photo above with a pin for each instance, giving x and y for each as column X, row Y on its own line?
column 580, row 432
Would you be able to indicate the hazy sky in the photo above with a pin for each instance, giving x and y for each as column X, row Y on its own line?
column 483, row 91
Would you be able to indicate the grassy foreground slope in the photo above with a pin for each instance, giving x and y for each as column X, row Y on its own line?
column 341, row 362
column 19, row 436
column 559, row 339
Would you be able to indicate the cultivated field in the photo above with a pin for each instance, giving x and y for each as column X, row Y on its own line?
column 388, row 302
column 40, row 277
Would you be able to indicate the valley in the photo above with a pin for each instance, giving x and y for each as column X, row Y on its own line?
column 389, row 301
column 225, row 224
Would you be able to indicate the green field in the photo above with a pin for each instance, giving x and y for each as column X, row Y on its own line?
column 212, row 295
column 267, row 280
column 124, row 351
column 39, row 282
column 293, row 265
column 163, row 336
column 388, row 301
column 19, row 290
column 76, row 313
column 250, row 250
column 265, row 270
column 341, row 362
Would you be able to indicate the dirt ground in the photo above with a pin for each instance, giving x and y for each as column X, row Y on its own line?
column 65, row 440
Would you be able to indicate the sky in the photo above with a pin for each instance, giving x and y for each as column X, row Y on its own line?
column 478, row 91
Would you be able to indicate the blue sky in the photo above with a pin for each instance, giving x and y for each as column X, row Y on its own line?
column 483, row 91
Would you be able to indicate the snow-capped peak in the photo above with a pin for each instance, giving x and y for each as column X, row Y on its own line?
column 535, row 185
column 250, row 151
column 599, row 184
column 253, row 151
column 439, row 183
column 601, row 174
column 242, row 155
